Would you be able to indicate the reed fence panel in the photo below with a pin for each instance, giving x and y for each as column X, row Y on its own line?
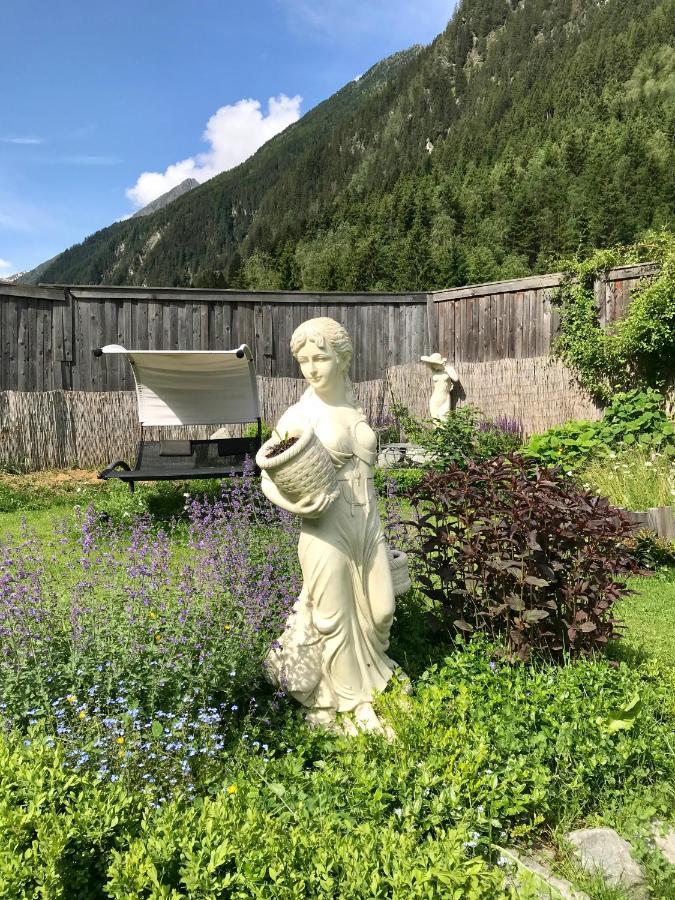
column 62, row 429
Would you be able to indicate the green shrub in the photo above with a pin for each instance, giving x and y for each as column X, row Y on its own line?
column 637, row 417
column 251, row 431
column 485, row 754
column 570, row 445
column 640, row 347
column 523, row 553
column 462, row 435
column 404, row 479
column 653, row 552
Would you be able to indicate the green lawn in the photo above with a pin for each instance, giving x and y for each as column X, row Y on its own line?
column 649, row 617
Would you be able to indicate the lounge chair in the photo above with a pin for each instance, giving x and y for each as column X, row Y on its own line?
column 190, row 387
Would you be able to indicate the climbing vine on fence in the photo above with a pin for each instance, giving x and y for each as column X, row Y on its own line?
column 639, row 349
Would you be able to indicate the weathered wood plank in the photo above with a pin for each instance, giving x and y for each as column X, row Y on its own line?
column 510, row 324
column 484, row 328
column 184, row 326
column 544, row 344
column 203, row 326
column 433, row 329
column 5, row 306
column 38, row 360
column 532, row 324
column 498, row 287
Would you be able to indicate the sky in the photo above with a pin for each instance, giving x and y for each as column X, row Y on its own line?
column 106, row 105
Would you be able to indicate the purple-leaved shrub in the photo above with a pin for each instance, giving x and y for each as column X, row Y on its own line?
column 522, row 554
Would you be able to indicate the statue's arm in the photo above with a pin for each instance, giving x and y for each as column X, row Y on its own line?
column 308, row 508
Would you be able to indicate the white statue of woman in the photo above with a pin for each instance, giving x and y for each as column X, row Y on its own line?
column 444, row 378
column 331, row 656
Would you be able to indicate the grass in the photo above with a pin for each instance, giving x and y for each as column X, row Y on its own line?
column 649, row 618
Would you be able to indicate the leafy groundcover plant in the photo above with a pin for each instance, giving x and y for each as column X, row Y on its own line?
column 633, row 419
column 486, row 755
column 522, row 553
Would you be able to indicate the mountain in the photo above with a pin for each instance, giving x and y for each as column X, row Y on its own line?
column 37, row 275
column 164, row 199
column 13, row 279
column 34, row 276
column 526, row 130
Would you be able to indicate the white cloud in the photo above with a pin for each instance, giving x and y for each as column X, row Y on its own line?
column 4, row 264
column 234, row 132
column 21, row 140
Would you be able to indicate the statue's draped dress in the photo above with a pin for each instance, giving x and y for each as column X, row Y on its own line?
column 332, row 652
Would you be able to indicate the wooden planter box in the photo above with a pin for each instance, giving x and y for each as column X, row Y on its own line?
column 660, row 519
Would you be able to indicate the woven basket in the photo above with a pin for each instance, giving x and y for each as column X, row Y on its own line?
column 304, row 470
column 398, row 563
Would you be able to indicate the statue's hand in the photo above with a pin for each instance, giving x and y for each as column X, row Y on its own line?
column 312, row 507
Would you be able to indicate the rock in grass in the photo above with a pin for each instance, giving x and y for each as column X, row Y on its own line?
column 548, row 886
column 664, row 838
column 603, row 850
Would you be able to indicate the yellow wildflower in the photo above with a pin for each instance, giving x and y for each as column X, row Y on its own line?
column 120, row 740
column 121, row 753
column 83, row 714
column 232, row 789
column 71, row 698
column 157, row 636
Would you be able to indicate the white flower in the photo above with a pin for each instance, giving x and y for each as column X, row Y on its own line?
column 398, row 812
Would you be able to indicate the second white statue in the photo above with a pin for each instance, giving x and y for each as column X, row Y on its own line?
column 331, row 656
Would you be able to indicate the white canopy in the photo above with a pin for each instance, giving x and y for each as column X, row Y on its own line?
column 193, row 387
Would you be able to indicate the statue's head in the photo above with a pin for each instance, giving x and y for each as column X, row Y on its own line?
column 323, row 349
column 324, row 333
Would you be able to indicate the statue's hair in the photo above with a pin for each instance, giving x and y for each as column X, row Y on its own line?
column 323, row 332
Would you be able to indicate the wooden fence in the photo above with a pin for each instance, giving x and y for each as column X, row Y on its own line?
column 517, row 319
column 61, row 406
column 47, row 334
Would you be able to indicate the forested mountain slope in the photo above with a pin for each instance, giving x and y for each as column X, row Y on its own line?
column 525, row 131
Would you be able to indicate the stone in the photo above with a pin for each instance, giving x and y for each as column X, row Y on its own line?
column 331, row 657
column 547, row 885
column 393, row 455
column 603, row 850
column 665, row 841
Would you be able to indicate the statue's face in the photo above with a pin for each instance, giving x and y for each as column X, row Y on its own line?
column 320, row 367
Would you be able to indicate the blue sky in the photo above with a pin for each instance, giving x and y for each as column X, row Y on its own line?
column 107, row 104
